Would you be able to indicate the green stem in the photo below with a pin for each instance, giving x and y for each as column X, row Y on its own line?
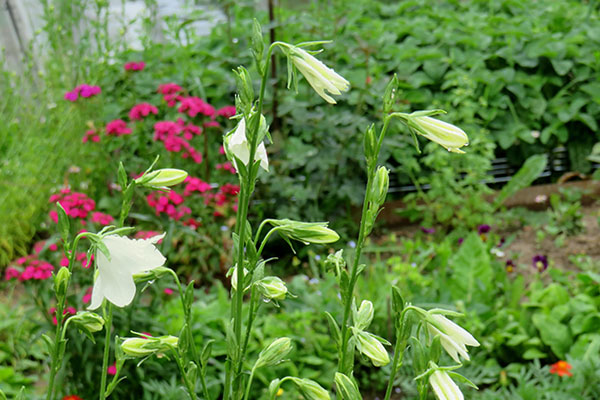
column 107, row 327
column 188, row 384
column 241, row 218
column 359, row 245
column 247, row 393
column 251, row 315
column 398, row 354
column 264, row 242
column 187, row 318
column 60, row 306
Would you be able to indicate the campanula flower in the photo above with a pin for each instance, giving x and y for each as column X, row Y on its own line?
column 444, row 387
column 453, row 338
column 319, row 76
column 114, row 281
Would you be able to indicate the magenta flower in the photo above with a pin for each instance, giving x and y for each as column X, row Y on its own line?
column 83, row 90
column 139, row 111
column 227, row 111
column 135, row 66
column 90, row 136
column 101, row 218
column 429, row 231
column 118, row 127
column 194, row 106
column 71, row 96
column 483, row 229
column 540, row 262
column 112, row 369
column 11, row 273
column 169, row 88
column 195, row 185
column 168, row 291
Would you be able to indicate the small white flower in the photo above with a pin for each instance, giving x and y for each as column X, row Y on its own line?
column 318, row 75
column 115, row 276
column 453, row 338
column 237, row 145
column 444, row 387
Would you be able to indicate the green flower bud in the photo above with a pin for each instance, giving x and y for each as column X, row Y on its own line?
column 364, row 315
column 389, row 96
column 151, row 275
column 310, row 389
column 162, row 178
column 272, row 287
column 61, row 281
column 146, row 346
column 447, row 135
column 274, row 353
column 88, row 321
column 380, row 186
column 371, row 347
column 346, row 387
column 370, row 144
column 245, row 90
column 305, row 232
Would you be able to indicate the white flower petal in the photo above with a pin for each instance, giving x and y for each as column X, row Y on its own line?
column 131, row 255
column 114, row 280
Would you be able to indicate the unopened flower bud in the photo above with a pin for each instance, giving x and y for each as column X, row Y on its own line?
column 272, row 288
column 234, row 276
column 61, row 281
column 380, row 186
column 371, row 347
column 245, row 90
column 447, row 135
column 364, row 315
column 305, row 232
column 151, row 275
column 346, row 387
column 444, row 387
column 274, row 353
column 162, row 178
column 146, row 346
column 310, row 389
column 370, row 144
column 88, row 321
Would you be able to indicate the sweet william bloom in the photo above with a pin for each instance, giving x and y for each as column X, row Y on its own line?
column 453, row 338
column 72, row 397
column 112, row 369
column 319, row 76
column 561, row 368
column 444, row 387
column 447, row 135
column 237, row 145
column 115, row 276
column 135, row 66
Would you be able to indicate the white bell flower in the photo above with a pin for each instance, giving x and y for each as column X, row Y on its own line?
column 318, row 75
column 114, row 281
column 444, row 387
column 453, row 338
column 237, row 144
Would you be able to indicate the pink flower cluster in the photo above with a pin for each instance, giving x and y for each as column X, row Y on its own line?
column 118, row 127
column 66, row 311
column 91, row 136
column 170, row 92
column 139, row 111
column 76, row 205
column 175, row 137
column 81, row 257
column 83, row 91
column 32, row 268
column 195, row 185
column 227, row 111
column 226, row 166
column 168, row 203
column 147, row 235
column 193, row 106
column 39, row 246
column 135, row 66
column 101, row 218
column 227, row 194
